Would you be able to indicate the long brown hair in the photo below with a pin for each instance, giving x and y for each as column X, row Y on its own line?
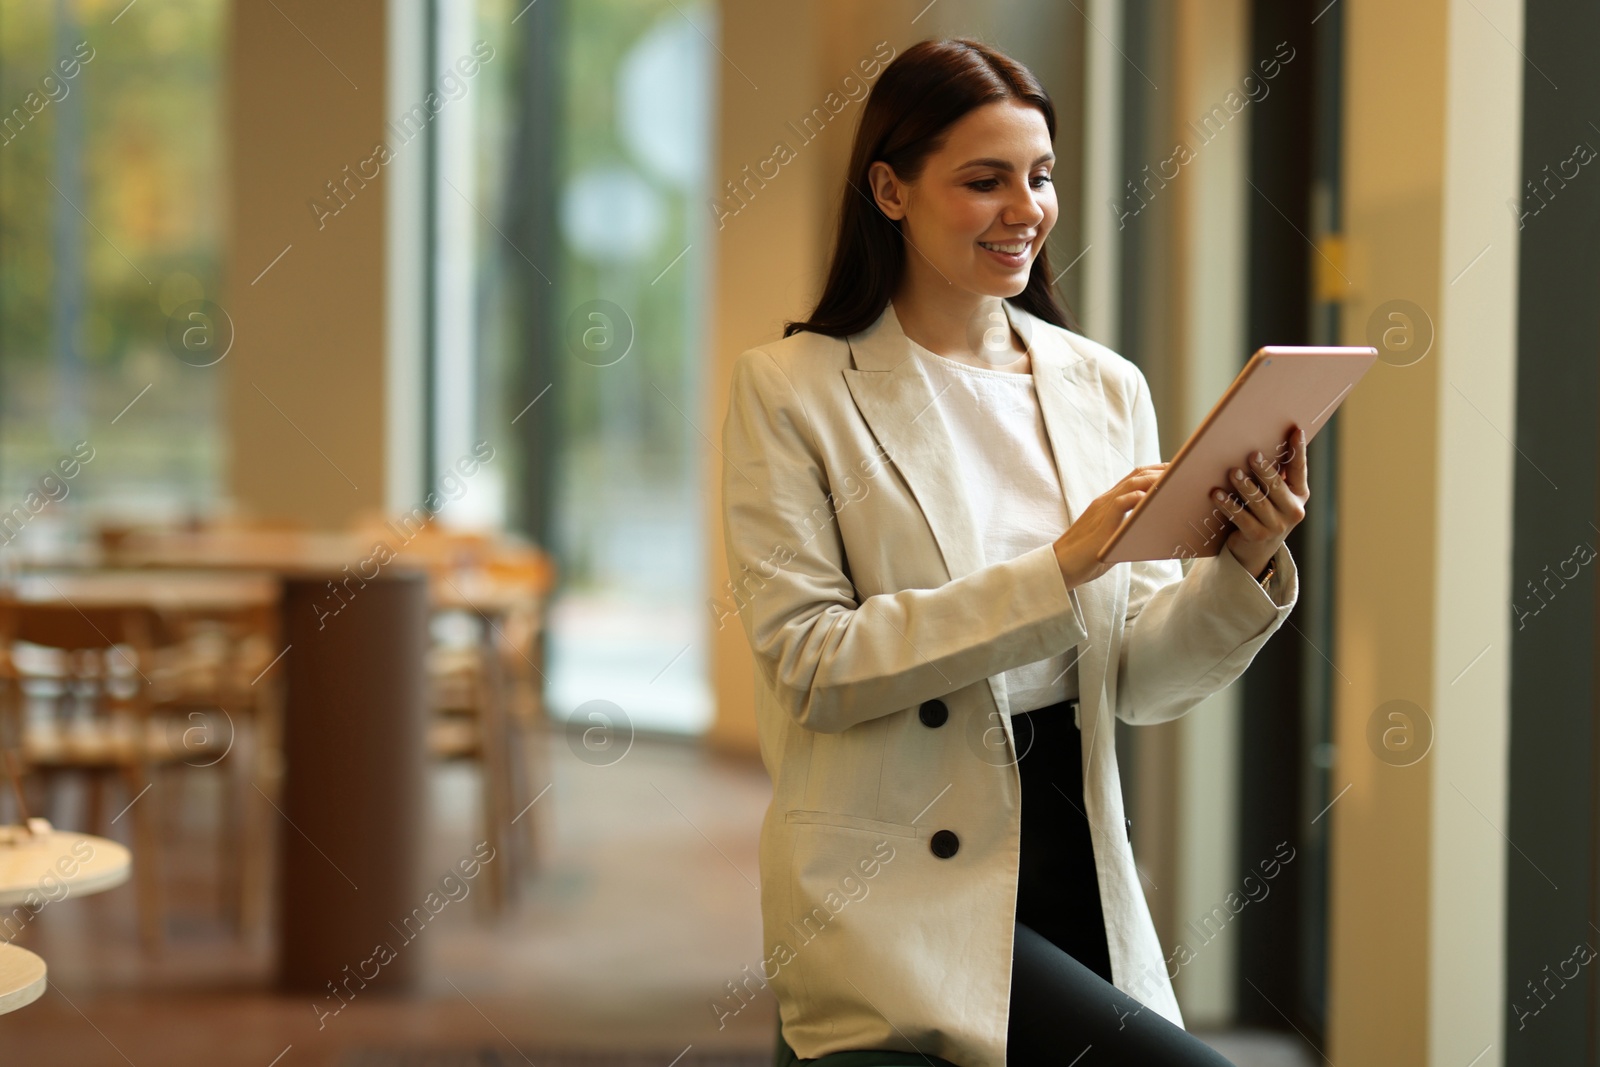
column 923, row 92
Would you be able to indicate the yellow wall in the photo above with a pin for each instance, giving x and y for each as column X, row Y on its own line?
column 310, row 332
column 1384, row 628
column 767, row 262
column 1432, row 145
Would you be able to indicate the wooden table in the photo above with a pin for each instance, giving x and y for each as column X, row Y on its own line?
column 22, row 978
column 354, row 724
column 38, row 867
column 195, row 592
column 355, row 727
column 276, row 551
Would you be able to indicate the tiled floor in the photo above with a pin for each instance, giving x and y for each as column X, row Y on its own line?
column 646, row 905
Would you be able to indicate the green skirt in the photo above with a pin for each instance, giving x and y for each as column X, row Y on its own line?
column 786, row 1058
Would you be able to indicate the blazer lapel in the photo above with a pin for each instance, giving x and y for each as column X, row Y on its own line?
column 898, row 400
column 1075, row 412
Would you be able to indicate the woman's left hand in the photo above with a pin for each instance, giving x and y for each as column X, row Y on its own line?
column 1274, row 503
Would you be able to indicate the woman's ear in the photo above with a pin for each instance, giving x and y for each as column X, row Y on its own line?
column 888, row 192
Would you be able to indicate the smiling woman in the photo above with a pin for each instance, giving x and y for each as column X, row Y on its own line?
column 994, row 144
column 942, row 661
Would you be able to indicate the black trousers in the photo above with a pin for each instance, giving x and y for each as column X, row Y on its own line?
column 1064, row 1009
column 1063, row 1004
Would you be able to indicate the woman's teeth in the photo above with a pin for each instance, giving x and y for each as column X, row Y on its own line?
column 1013, row 249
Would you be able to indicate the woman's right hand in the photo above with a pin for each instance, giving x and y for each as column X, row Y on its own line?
column 1075, row 549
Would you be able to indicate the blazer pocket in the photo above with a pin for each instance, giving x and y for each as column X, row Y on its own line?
column 850, row 822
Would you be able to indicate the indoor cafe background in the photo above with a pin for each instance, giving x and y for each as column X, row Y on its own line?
column 288, row 273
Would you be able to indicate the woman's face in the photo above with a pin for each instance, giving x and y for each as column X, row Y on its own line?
column 988, row 186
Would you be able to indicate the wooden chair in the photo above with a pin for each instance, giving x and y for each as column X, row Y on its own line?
column 468, row 725
column 101, row 725
column 486, row 709
column 518, row 640
column 487, row 692
column 215, row 663
column 204, row 681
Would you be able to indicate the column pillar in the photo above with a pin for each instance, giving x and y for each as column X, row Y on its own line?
column 1432, row 94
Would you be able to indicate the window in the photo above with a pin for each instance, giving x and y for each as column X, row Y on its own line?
column 573, row 340
column 110, row 247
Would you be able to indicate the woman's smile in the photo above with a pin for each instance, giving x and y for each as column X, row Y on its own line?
column 1012, row 255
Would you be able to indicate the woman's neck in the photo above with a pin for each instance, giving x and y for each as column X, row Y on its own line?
column 958, row 329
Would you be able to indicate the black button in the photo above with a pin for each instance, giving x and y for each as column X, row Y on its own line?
column 933, row 713
column 944, row 844
column 1130, row 828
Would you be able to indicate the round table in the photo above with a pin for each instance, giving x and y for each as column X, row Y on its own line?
column 58, row 864
column 21, row 978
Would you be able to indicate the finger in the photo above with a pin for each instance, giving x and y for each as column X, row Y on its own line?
column 1125, row 501
column 1247, row 523
column 1116, row 508
column 1136, row 481
column 1149, row 470
column 1255, row 499
column 1296, row 471
column 1277, row 489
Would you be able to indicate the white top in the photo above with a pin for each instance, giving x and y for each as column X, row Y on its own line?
column 1010, row 476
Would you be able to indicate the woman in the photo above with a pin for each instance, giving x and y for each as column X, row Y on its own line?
column 946, row 873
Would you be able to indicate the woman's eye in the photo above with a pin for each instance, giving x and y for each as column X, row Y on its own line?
column 986, row 185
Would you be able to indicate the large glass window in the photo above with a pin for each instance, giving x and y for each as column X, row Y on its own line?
column 595, row 327
column 110, row 170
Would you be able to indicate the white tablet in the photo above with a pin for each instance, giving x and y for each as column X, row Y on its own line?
column 1280, row 388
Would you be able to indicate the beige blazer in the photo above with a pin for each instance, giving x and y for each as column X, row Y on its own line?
column 859, row 577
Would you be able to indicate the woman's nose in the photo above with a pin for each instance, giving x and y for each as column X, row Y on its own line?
column 1024, row 210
